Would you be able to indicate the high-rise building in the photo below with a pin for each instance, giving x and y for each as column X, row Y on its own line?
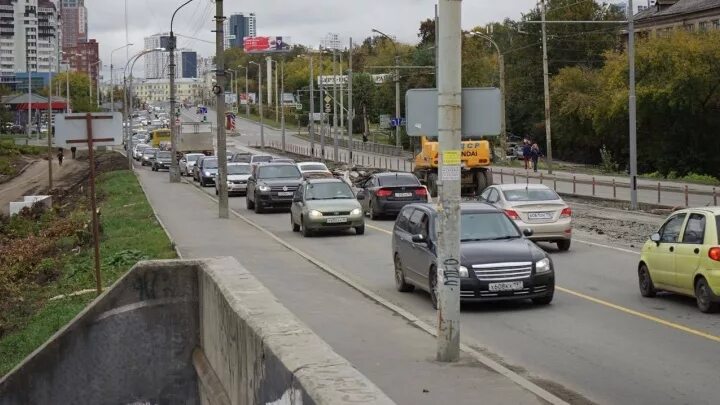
column 332, row 41
column 189, row 64
column 157, row 64
column 240, row 26
column 28, row 41
column 84, row 57
column 74, row 22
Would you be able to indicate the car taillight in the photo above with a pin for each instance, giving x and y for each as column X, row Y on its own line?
column 421, row 192
column 566, row 213
column 714, row 253
column 512, row 214
column 384, row 192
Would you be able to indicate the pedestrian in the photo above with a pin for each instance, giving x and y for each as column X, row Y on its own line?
column 72, row 151
column 526, row 150
column 60, row 156
column 535, row 155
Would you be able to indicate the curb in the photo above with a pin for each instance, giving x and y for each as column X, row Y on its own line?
column 19, row 173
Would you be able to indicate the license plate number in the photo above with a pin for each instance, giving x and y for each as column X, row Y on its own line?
column 336, row 220
column 285, row 193
column 403, row 195
column 508, row 286
column 539, row 215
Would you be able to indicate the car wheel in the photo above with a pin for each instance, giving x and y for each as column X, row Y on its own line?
column 306, row 232
column 563, row 245
column 400, row 283
column 360, row 230
column 544, row 300
column 647, row 288
column 258, row 206
column 202, row 182
column 295, row 227
column 373, row 215
column 433, row 287
column 703, row 295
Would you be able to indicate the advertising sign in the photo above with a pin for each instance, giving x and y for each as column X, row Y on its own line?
column 230, row 98
column 266, row 44
column 330, row 81
column 106, row 132
column 247, row 97
column 481, row 111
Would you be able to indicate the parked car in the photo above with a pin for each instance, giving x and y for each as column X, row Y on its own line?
column 388, row 192
column 206, row 170
column 237, row 178
column 241, row 157
column 147, row 157
column 498, row 262
column 187, row 162
column 163, row 160
column 683, row 257
column 137, row 150
column 325, row 204
column 272, row 185
column 534, row 206
column 314, row 169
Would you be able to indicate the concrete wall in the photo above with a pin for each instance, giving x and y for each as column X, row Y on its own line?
column 187, row 332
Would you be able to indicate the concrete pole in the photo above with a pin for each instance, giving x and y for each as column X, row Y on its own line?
column 260, row 105
column 220, row 93
column 269, row 81
column 322, row 110
column 449, row 134
column 67, row 89
column 397, row 98
column 503, row 116
column 49, row 134
column 277, row 99
column 342, row 95
column 126, row 121
column 112, row 87
column 546, row 85
column 282, row 103
column 29, row 119
column 312, row 109
column 247, row 94
column 174, row 169
column 350, row 114
column 334, row 107
column 632, row 106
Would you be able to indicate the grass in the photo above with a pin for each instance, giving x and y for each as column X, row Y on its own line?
column 10, row 153
column 130, row 233
column 269, row 122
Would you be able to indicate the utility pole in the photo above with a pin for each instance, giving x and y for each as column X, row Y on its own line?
column 268, row 60
column 322, row 110
column 29, row 119
column 312, row 109
column 632, row 110
column 447, row 278
column 49, row 134
column 397, row 98
column 342, row 95
column 351, row 112
column 277, row 99
column 282, row 103
column 220, row 93
column 546, row 85
column 260, row 103
column 334, row 106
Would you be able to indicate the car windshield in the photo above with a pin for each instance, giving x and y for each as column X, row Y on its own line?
column 210, row 163
column 141, row 147
column 241, row 158
column 238, row 169
column 328, row 191
column 529, row 194
column 398, row 180
column 149, row 151
column 307, row 168
column 261, row 158
column 486, row 226
column 164, row 155
column 192, row 158
column 278, row 172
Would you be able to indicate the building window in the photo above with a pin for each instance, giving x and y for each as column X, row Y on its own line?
column 689, row 27
column 704, row 26
column 716, row 24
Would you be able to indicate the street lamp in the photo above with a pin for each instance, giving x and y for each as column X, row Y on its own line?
column 501, row 67
column 397, row 86
column 247, row 95
column 67, row 81
column 90, row 79
column 112, row 82
column 233, row 78
column 262, row 125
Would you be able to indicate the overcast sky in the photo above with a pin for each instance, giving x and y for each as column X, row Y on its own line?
column 304, row 21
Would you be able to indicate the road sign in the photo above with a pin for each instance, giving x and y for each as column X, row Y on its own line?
column 71, row 129
column 328, row 99
column 481, row 112
column 396, row 122
column 298, row 106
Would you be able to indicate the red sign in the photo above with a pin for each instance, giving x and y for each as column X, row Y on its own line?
column 265, row 44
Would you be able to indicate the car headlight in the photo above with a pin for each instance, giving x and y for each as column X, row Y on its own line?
column 542, row 266
column 356, row 211
column 264, row 188
column 207, row 174
column 463, row 271
column 315, row 214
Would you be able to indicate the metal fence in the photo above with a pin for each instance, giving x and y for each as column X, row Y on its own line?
column 369, row 147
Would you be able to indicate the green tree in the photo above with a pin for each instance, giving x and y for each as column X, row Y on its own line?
column 80, row 99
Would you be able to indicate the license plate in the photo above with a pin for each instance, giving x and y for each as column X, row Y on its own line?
column 403, row 195
column 539, row 215
column 336, row 220
column 285, row 193
column 508, row 286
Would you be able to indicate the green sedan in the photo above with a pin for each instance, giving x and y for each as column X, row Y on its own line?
column 325, row 204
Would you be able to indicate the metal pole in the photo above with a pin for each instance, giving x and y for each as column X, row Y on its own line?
column 351, row 112
column 277, row 99
column 282, row 103
column 126, row 121
column 29, row 120
column 503, row 123
column 312, row 109
column 112, row 87
column 449, row 134
column 268, row 61
column 67, row 89
column 322, row 111
column 247, row 95
column 342, row 96
column 49, row 134
column 546, row 86
column 174, row 172
column 93, row 204
column 220, row 93
column 260, row 105
column 334, row 107
column 397, row 98
column 632, row 107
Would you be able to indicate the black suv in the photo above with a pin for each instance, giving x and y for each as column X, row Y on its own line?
column 498, row 262
column 163, row 159
column 272, row 185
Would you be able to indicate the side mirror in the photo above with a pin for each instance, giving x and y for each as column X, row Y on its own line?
column 655, row 238
column 360, row 196
column 528, row 232
column 419, row 239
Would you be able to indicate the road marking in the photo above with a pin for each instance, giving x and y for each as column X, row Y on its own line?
column 641, row 315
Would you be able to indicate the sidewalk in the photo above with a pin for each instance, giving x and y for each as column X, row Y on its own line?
column 396, row 356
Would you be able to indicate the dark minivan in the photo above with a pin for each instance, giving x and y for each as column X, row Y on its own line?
column 497, row 262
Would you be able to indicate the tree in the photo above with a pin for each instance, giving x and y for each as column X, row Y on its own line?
column 80, row 99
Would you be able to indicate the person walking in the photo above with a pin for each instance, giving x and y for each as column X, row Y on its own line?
column 535, row 155
column 60, row 156
column 72, row 151
column 526, row 150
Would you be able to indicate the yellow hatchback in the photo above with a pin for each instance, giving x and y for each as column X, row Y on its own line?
column 684, row 257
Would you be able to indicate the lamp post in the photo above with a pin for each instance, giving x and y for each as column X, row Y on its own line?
column 260, row 108
column 112, row 83
column 247, row 100
column 233, row 79
column 397, row 85
column 90, row 79
column 501, row 68
column 67, row 82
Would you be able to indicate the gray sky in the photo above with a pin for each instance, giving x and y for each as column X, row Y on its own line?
column 304, row 21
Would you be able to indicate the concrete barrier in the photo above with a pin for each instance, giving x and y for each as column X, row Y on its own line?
column 28, row 201
column 187, row 332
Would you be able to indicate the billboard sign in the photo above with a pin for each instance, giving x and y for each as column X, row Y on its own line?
column 230, row 98
column 330, row 81
column 106, row 132
column 247, row 97
column 266, row 44
column 481, row 111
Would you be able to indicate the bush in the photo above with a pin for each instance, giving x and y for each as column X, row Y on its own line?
column 607, row 162
column 701, row 178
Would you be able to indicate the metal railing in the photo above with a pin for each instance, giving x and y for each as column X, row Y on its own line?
column 369, row 147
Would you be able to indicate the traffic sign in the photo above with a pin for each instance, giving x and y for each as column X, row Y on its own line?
column 396, row 122
column 298, row 106
column 328, row 99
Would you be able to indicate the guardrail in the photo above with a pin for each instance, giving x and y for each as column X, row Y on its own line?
column 370, row 147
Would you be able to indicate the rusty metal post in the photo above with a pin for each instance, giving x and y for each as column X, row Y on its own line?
column 502, row 178
column 658, row 189
column 714, row 197
column 687, row 203
column 541, row 178
column 614, row 190
column 593, row 186
column 93, row 204
column 574, row 186
column 514, row 177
